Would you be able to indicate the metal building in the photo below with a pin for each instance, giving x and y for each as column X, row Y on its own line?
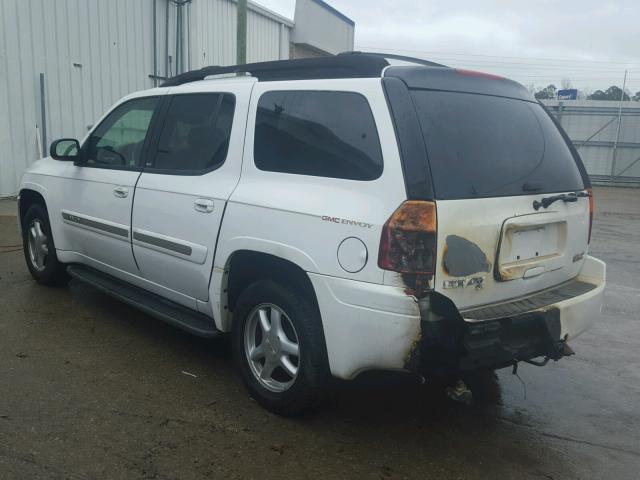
column 314, row 19
column 63, row 63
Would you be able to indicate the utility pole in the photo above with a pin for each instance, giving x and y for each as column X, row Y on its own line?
column 241, row 44
column 178, row 37
column 615, row 144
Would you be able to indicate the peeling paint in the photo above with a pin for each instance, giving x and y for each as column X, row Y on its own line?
column 463, row 258
column 412, row 357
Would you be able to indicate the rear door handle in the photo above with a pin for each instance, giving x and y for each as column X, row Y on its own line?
column 203, row 205
column 121, row 192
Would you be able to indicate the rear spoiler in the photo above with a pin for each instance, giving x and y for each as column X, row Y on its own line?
column 455, row 80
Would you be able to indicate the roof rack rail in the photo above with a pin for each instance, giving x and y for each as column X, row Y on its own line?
column 356, row 65
column 403, row 58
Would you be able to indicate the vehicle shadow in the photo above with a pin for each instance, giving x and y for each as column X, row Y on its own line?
column 368, row 395
column 387, row 418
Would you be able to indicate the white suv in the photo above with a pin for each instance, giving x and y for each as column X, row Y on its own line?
column 335, row 215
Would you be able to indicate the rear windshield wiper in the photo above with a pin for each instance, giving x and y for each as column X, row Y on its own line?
column 565, row 197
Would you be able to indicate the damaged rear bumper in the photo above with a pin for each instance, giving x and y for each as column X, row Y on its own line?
column 495, row 336
column 370, row 326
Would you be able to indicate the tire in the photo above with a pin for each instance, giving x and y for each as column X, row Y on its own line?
column 300, row 322
column 39, row 250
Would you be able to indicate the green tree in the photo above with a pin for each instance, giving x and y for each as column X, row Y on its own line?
column 547, row 93
column 611, row 93
column 636, row 97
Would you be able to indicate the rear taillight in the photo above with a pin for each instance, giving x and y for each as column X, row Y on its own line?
column 591, row 208
column 408, row 241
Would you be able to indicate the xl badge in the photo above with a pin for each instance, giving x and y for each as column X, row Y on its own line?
column 476, row 282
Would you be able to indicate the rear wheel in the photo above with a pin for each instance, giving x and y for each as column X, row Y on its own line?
column 279, row 347
column 39, row 250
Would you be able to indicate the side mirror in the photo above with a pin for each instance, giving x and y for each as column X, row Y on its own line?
column 66, row 149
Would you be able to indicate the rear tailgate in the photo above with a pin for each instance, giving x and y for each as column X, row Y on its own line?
column 497, row 249
column 492, row 158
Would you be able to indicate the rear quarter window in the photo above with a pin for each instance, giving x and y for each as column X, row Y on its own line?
column 489, row 146
column 318, row 133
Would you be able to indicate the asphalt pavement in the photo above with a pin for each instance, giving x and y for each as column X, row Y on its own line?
column 91, row 388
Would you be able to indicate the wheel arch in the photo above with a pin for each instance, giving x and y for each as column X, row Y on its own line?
column 28, row 196
column 246, row 266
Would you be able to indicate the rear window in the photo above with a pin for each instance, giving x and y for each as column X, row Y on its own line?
column 487, row 146
column 319, row 133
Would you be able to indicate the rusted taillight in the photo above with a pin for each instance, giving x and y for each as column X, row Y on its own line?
column 591, row 209
column 408, row 241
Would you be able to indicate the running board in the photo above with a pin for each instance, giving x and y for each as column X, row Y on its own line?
column 150, row 303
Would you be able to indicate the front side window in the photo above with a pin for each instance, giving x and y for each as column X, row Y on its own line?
column 195, row 134
column 318, row 133
column 118, row 140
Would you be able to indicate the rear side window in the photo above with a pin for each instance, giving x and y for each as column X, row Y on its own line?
column 195, row 134
column 487, row 146
column 318, row 133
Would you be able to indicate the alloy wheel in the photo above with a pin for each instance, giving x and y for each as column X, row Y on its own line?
column 272, row 347
column 37, row 244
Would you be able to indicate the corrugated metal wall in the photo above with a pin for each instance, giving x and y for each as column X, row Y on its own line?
column 592, row 126
column 265, row 39
column 84, row 49
column 213, row 33
column 93, row 52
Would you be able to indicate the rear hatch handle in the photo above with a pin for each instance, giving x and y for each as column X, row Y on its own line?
column 565, row 197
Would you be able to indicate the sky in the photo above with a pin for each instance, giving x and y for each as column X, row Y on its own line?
column 536, row 42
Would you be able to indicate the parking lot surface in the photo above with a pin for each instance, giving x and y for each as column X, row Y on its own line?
column 91, row 388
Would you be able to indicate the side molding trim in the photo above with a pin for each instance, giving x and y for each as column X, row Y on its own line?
column 162, row 243
column 91, row 223
column 176, row 247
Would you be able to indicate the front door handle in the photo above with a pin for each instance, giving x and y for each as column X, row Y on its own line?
column 203, row 205
column 121, row 192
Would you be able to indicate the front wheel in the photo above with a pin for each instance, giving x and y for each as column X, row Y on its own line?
column 39, row 250
column 279, row 347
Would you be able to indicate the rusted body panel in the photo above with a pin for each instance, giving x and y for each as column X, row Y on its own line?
column 391, row 330
column 479, row 242
column 369, row 327
column 495, row 336
column 462, row 257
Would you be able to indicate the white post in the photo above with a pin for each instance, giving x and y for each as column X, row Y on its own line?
column 615, row 144
column 39, row 143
